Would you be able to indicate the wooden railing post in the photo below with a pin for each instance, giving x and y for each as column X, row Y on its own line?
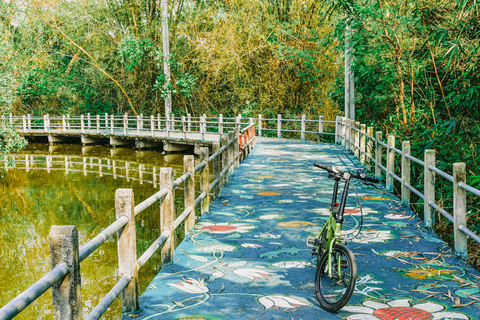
column 204, row 181
column 459, row 209
column 356, row 149
column 406, row 169
column 302, row 129
column 167, row 214
column 279, row 126
column 259, row 125
column 363, row 138
column 378, row 154
column 390, row 163
column 429, row 185
column 217, row 169
column 127, row 248
column 66, row 294
column 189, row 192
column 225, row 158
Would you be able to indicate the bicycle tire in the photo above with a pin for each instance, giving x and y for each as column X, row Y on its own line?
column 332, row 297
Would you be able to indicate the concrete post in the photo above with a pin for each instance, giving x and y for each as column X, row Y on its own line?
column 68, row 122
column 66, row 294
column 127, row 171
column 112, row 123
column 29, row 121
column 429, row 185
column 231, row 137
column 302, row 130
column 378, row 154
column 344, row 133
column 236, row 147
column 220, row 123
column 189, row 117
column 127, row 248
column 204, row 181
column 140, row 173
column 251, row 134
column 64, row 126
column 202, row 132
column 362, row 143
column 184, row 128
column 369, row 148
column 406, row 169
column 152, row 125
column 390, row 163
column 259, row 125
column 347, row 135
column 356, row 148
column 279, row 126
column 225, row 158
column 320, row 127
column 125, row 123
column 47, row 123
column 89, row 121
column 82, row 124
column 459, row 209
column 189, row 192
column 138, row 125
column 159, row 122
column 98, row 123
column 106, row 120
column 167, row 214
column 217, row 168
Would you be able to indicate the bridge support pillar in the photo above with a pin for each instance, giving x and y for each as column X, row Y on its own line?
column 89, row 140
column 172, row 147
column 139, row 144
column 56, row 139
column 119, row 142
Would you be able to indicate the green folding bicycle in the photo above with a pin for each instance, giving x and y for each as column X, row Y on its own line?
column 336, row 273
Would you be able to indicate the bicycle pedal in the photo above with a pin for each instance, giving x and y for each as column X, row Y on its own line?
column 313, row 242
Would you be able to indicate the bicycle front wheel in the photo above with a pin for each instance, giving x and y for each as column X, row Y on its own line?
column 334, row 287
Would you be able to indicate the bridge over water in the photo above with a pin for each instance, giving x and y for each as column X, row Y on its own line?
column 246, row 256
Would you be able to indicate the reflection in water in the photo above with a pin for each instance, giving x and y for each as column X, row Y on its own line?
column 71, row 185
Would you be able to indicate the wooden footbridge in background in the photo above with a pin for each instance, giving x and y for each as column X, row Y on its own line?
column 246, row 256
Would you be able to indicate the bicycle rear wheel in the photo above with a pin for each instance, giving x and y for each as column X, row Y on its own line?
column 333, row 292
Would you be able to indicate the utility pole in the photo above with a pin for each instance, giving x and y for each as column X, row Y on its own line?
column 349, row 77
column 166, row 57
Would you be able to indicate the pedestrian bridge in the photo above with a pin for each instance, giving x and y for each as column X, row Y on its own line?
column 245, row 257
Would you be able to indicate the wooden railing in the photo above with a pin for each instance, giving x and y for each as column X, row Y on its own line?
column 66, row 255
column 359, row 140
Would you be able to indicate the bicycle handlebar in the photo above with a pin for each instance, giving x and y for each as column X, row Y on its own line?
column 360, row 176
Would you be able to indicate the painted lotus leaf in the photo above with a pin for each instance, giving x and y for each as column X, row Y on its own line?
column 269, row 193
column 465, row 292
column 277, row 253
column 422, row 274
column 263, row 177
column 295, row 224
column 375, row 198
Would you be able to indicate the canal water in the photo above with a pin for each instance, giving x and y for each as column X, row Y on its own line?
column 74, row 185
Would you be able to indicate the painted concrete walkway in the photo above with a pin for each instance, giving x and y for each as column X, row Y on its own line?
column 247, row 258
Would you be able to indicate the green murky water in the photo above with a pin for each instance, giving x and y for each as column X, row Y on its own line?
column 71, row 185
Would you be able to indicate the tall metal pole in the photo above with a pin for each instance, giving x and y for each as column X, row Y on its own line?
column 349, row 77
column 166, row 57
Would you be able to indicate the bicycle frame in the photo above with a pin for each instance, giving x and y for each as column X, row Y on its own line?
column 334, row 222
